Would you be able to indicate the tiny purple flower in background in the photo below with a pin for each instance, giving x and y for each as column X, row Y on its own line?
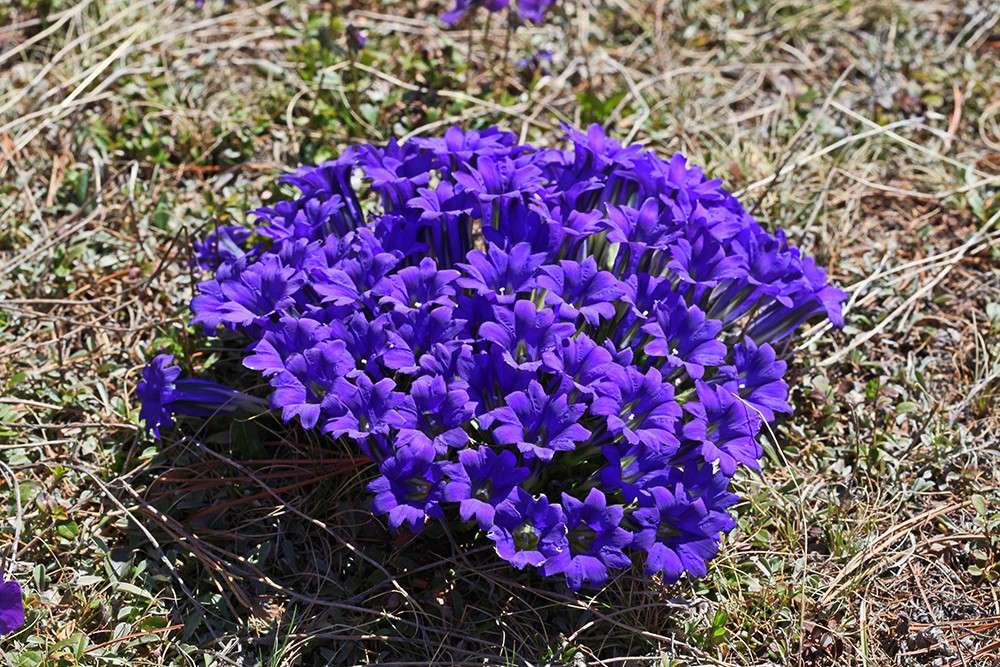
column 11, row 607
column 541, row 61
column 533, row 10
column 458, row 12
column 527, row 10
column 574, row 351
column 356, row 38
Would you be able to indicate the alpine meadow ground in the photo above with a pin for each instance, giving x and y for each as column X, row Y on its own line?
column 868, row 130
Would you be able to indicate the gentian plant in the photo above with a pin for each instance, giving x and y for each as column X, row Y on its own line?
column 570, row 351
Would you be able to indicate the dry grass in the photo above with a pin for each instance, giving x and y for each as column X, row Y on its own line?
column 869, row 130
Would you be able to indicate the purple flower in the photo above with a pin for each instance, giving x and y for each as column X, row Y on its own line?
column 372, row 343
column 414, row 287
column 524, row 334
column 596, row 542
column 309, row 218
column 248, row 295
column 498, row 179
column 290, row 338
column 356, row 38
column 363, row 259
column 362, row 408
column 421, row 330
column 637, row 228
column 301, row 389
column 594, row 151
column 11, row 607
column 685, row 337
column 458, row 12
column 395, row 171
column 725, row 428
column 163, row 393
column 757, row 375
column 499, row 274
column 451, row 360
column 641, row 408
column 464, row 307
column 458, row 146
column 583, row 366
column 703, row 262
column 480, row 481
column 578, row 287
column 490, row 379
column 540, row 60
column 222, row 244
column 441, row 413
column 632, row 468
column 679, row 526
column 533, row 10
column 409, row 487
column 540, row 425
column 643, row 292
column 528, row 530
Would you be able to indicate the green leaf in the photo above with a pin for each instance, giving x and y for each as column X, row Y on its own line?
column 134, row 590
column 68, row 530
column 29, row 659
column 979, row 503
column 161, row 214
column 76, row 644
column 153, row 623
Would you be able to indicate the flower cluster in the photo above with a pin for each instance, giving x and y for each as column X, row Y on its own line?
column 572, row 350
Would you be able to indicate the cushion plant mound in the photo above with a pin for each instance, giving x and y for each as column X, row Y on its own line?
column 572, row 350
